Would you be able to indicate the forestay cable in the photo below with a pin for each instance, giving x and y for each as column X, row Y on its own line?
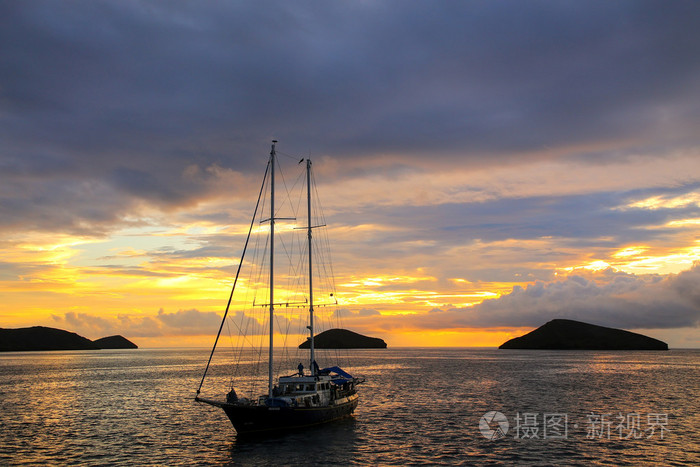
column 228, row 305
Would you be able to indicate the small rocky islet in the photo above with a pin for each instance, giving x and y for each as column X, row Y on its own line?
column 568, row 334
column 343, row 339
column 38, row 338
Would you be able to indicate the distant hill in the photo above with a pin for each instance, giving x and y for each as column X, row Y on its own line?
column 44, row 338
column 566, row 334
column 115, row 342
column 343, row 339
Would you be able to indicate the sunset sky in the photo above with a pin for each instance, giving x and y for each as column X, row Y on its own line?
column 485, row 166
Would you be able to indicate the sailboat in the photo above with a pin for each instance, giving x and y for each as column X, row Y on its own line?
column 302, row 398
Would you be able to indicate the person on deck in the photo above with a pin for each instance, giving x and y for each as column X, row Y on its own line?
column 301, row 369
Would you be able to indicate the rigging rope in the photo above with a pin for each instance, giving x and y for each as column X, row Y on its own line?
column 228, row 305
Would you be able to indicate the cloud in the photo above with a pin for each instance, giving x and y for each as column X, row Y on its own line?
column 94, row 326
column 190, row 322
column 108, row 104
column 362, row 312
column 669, row 305
column 607, row 298
column 509, row 238
column 481, row 141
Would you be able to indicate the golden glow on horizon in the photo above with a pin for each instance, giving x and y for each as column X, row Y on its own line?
column 160, row 263
column 130, row 276
column 404, row 338
column 468, row 337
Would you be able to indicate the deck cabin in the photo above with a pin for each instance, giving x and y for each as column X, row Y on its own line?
column 319, row 390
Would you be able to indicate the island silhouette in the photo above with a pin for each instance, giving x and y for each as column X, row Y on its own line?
column 567, row 334
column 343, row 339
column 44, row 338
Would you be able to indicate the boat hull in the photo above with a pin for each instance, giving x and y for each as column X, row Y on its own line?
column 251, row 419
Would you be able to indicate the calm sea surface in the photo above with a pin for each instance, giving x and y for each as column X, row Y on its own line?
column 419, row 406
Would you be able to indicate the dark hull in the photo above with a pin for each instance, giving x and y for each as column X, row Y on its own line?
column 251, row 419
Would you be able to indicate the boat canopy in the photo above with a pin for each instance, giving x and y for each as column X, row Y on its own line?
column 338, row 371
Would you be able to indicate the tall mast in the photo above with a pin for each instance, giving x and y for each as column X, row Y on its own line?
column 312, row 357
column 272, row 263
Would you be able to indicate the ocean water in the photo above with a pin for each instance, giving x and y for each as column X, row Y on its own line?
column 418, row 407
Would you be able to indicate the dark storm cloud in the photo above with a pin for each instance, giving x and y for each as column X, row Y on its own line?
column 108, row 102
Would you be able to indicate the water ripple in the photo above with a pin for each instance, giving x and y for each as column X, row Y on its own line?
column 419, row 407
